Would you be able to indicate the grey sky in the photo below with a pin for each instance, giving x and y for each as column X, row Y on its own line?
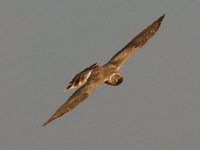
column 43, row 44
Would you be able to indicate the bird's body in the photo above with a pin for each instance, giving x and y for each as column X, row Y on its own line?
column 95, row 75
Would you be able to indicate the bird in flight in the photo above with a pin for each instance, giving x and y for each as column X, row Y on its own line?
column 95, row 75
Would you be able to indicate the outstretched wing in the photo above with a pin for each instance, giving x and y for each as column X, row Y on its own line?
column 136, row 43
column 81, row 77
column 81, row 94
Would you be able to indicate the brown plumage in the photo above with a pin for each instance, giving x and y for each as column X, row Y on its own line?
column 95, row 75
column 81, row 77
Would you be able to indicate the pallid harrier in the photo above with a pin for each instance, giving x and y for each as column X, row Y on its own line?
column 108, row 73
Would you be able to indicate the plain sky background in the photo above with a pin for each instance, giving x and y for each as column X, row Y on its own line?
column 44, row 43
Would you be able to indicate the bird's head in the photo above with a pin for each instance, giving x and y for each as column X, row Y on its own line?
column 115, row 79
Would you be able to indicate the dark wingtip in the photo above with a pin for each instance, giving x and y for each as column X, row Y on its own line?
column 67, row 88
column 47, row 122
column 161, row 18
column 44, row 124
column 50, row 119
column 158, row 22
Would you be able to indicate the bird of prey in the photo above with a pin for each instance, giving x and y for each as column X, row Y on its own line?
column 95, row 75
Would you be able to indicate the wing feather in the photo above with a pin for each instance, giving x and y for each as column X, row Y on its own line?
column 81, row 77
column 136, row 43
column 80, row 94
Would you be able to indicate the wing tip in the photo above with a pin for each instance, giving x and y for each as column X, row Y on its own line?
column 53, row 117
column 71, row 86
column 161, row 18
column 156, row 25
column 66, row 89
column 46, row 122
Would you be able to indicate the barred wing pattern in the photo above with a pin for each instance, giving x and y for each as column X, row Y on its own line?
column 94, row 75
column 80, row 94
column 136, row 43
column 81, row 77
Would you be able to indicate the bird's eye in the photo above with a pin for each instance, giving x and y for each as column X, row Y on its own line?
column 119, row 81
